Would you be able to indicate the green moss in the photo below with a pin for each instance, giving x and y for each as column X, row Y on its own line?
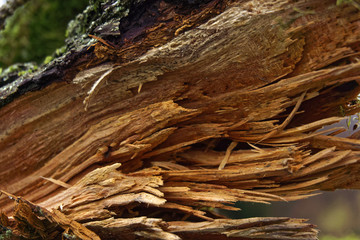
column 24, row 72
column 17, row 70
column 48, row 59
column 98, row 15
column 60, row 51
column 70, row 236
column 7, row 235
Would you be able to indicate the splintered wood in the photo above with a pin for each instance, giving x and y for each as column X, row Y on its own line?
column 230, row 108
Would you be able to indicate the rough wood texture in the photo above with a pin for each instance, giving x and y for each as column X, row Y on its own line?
column 202, row 106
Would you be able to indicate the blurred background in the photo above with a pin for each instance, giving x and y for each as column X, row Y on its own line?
column 335, row 213
column 38, row 28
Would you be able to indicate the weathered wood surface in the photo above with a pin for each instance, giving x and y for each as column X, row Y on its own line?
column 193, row 108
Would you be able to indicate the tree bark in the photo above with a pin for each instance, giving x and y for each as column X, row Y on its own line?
column 187, row 107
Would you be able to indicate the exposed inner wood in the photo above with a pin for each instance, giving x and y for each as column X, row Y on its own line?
column 140, row 143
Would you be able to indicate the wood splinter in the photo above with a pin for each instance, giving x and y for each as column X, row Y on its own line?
column 287, row 120
column 227, row 155
column 57, row 182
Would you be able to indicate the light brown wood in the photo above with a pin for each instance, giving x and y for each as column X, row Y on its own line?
column 133, row 149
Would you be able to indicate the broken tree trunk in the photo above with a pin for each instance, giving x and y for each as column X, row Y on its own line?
column 170, row 111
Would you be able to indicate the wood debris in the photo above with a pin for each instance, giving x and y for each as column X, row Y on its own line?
column 222, row 103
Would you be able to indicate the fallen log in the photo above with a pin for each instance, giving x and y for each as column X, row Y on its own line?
column 161, row 113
